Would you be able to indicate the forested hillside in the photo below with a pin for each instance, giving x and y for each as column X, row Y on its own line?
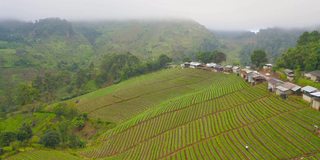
column 58, row 59
column 274, row 41
column 305, row 56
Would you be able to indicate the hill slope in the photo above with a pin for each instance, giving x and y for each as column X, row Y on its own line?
column 53, row 45
column 216, row 123
column 213, row 120
column 123, row 101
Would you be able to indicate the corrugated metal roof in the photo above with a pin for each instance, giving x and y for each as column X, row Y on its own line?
column 316, row 94
column 283, row 89
column 309, row 89
column 296, row 88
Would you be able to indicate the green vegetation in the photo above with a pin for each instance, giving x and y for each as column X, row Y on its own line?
column 129, row 98
column 239, row 46
column 215, row 116
column 216, row 57
column 305, row 56
column 259, row 58
column 44, row 154
column 215, row 123
column 54, row 59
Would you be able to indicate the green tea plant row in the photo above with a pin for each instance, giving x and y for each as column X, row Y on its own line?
column 200, row 108
column 137, row 96
column 271, row 139
column 43, row 154
column 181, row 103
column 221, row 122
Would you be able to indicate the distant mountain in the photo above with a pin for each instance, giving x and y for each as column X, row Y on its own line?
column 148, row 39
column 29, row 49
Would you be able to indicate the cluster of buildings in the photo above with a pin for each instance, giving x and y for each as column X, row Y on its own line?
column 281, row 88
column 212, row 66
column 284, row 89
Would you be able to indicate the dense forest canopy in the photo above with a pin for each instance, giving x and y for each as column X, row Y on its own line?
column 306, row 54
column 241, row 44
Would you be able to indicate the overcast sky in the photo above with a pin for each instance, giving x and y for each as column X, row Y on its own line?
column 214, row 14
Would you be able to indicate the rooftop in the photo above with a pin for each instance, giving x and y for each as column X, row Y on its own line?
column 316, row 94
column 283, row 89
column 308, row 89
column 315, row 73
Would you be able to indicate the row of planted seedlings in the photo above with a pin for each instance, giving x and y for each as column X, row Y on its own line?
column 144, row 129
column 199, row 127
column 172, row 120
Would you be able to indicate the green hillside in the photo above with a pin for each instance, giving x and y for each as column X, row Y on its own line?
column 125, row 100
column 44, row 154
column 216, row 123
column 239, row 45
column 63, row 51
column 195, row 114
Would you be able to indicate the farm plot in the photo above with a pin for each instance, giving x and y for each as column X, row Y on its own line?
column 215, row 123
column 44, row 154
column 136, row 95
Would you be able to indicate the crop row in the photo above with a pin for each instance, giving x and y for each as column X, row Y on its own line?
column 271, row 139
column 196, row 129
column 181, row 117
column 187, row 102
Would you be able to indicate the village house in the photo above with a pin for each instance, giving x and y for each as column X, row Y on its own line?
column 307, row 90
column 287, row 88
column 211, row 65
column 267, row 67
column 195, row 64
column 236, row 69
column 314, row 76
column 218, row 68
column 273, row 83
column 255, row 78
column 316, row 100
column 244, row 73
column 289, row 73
column 185, row 65
column 228, row 68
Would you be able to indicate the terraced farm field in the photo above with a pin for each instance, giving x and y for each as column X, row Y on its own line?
column 216, row 123
column 210, row 116
column 44, row 155
column 125, row 100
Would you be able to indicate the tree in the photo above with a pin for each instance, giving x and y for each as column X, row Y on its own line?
column 6, row 138
column 214, row 56
column 163, row 60
column 186, row 59
column 51, row 138
column 27, row 94
column 259, row 58
column 75, row 142
column 24, row 133
column 219, row 57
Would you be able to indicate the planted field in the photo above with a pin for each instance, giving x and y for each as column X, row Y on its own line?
column 45, row 155
column 123, row 101
column 216, row 123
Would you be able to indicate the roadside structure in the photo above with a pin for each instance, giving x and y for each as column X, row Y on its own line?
column 236, row 69
column 314, row 75
column 315, row 100
column 273, row 83
column 307, row 90
column 289, row 73
column 287, row 88
column 228, row 68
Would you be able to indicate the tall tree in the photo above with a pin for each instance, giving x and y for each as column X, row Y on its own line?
column 259, row 58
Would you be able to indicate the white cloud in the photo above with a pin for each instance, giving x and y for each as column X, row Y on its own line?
column 220, row 14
